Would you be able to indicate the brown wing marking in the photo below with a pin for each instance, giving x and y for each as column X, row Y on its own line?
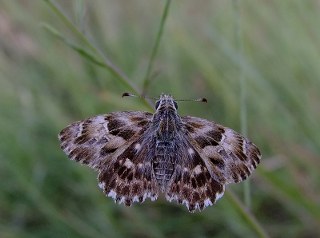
column 191, row 183
column 95, row 140
column 228, row 155
column 129, row 178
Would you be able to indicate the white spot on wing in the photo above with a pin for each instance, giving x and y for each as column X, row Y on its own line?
column 99, row 119
column 137, row 146
column 207, row 202
column 121, row 200
column 219, row 195
column 190, row 151
column 135, row 199
column 112, row 194
column 197, row 169
column 102, row 185
column 128, row 163
column 185, row 202
column 244, row 149
column 153, row 198
column 80, row 130
column 171, row 198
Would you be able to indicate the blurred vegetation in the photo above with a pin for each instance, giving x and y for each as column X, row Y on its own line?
column 55, row 70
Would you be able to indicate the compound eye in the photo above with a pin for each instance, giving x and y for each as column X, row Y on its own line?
column 175, row 105
column 157, row 104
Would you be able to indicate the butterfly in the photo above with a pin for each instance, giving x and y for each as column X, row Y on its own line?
column 141, row 155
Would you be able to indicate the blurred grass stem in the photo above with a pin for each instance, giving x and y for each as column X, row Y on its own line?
column 252, row 221
column 243, row 92
column 107, row 63
column 148, row 78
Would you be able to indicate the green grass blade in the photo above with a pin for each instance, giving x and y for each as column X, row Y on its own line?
column 83, row 52
column 247, row 215
column 147, row 78
column 243, row 91
column 108, row 64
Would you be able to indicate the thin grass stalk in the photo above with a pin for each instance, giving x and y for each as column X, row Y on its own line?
column 108, row 64
column 243, row 91
column 80, row 11
column 47, row 208
column 147, row 78
column 248, row 216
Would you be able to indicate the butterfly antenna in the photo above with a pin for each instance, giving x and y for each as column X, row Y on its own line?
column 126, row 94
column 193, row 100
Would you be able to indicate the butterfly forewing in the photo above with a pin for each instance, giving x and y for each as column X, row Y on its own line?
column 229, row 156
column 94, row 140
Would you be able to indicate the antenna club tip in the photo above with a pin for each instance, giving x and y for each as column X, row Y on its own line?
column 126, row 94
column 204, row 100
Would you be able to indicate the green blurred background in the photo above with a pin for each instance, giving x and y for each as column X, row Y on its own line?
column 53, row 73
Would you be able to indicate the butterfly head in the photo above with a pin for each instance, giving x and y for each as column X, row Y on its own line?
column 165, row 103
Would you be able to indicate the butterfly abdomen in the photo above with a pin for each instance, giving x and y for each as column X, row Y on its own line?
column 164, row 162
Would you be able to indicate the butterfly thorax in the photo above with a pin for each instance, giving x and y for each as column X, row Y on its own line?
column 167, row 123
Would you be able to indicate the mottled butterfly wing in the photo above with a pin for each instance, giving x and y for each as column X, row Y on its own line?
column 109, row 144
column 129, row 177
column 228, row 156
column 191, row 183
column 208, row 157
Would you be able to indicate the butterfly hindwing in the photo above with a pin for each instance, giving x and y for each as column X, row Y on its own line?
column 230, row 158
column 129, row 177
column 209, row 156
column 191, row 183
